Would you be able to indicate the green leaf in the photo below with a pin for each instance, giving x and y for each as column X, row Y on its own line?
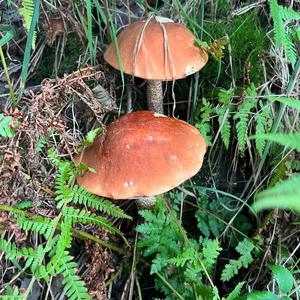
column 10, row 33
column 284, row 195
column 291, row 140
column 5, row 128
column 262, row 296
column 90, row 137
column 284, row 278
column 236, row 292
column 295, row 103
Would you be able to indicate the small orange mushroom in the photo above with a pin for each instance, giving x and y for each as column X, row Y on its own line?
column 157, row 49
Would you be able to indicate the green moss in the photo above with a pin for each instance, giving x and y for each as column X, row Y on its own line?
column 248, row 42
column 68, row 64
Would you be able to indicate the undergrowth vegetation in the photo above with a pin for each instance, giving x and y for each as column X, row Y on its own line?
column 232, row 232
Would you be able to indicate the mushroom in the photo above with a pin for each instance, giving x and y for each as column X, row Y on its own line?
column 142, row 154
column 157, row 49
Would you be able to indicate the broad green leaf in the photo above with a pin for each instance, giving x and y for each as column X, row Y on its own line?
column 10, row 33
column 5, row 128
column 262, row 296
column 284, row 278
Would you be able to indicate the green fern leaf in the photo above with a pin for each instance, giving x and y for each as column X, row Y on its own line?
column 185, row 256
column 232, row 268
column 243, row 116
column 26, row 11
column 210, row 252
column 82, row 216
column 73, row 286
column 236, row 292
column 289, row 14
column 282, row 37
column 31, row 256
column 295, row 103
column 203, row 125
column 223, row 114
column 284, row 195
column 12, row 294
column 291, row 140
column 82, row 196
column 264, row 122
column 40, row 225
column 225, row 130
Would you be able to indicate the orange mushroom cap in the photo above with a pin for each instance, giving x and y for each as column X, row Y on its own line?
column 157, row 49
column 142, row 154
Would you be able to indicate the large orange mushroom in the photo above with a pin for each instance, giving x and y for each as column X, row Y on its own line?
column 157, row 49
column 142, row 154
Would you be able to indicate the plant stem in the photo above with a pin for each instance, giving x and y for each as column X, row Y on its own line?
column 11, row 91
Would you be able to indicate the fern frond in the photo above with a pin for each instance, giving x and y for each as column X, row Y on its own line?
column 284, row 195
column 291, row 140
column 210, row 252
column 13, row 252
column 31, row 256
column 61, row 263
column 282, row 37
column 40, row 225
column 243, row 116
column 264, row 121
column 225, row 96
column 236, row 292
column 26, row 11
column 225, row 130
column 203, row 125
column 292, row 102
column 73, row 286
column 232, row 268
column 82, row 196
column 223, row 114
column 85, row 217
column 289, row 14
column 279, row 31
column 183, row 258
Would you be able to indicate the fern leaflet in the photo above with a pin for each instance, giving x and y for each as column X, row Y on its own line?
column 26, row 11
column 244, row 248
column 39, row 224
column 82, row 196
column 282, row 38
column 85, row 217
column 264, row 123
column 223, row 114
column 243, row 116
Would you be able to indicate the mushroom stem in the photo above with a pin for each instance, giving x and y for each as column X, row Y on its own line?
column 155, row 96
column 145, row 202
column 155, row 103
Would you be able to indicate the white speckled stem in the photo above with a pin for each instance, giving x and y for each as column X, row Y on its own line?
column 155, row 96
